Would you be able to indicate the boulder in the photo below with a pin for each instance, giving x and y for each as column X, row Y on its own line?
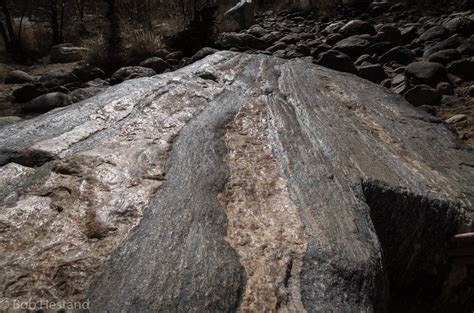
column 277, row 46
column 375, row 73
column 81, row 94
column 156, row 64
column 435, row 32
column 353, row 46
column 67, row 53
column 426, row 73
column 46, row 103
column 380, row 48
column 243, row 13
column 423, row 95
column 162, row 53
column 291, row 38
column 332, row 39
column 463, row 68
column 242, row 40
column 365, row 59
column 88, row 72
column 58, row 78
column 334, row 27
column 455, row 119
column 401, row 55
column 357, row 27
column 389, row 33
column 29, row 92
column 445, row 56
column 18, row 77
column 176, row 55
column 336, row 60
column 409, row 33
column 279, row 185
column 463, row 25
column 202, row 53
column 131, row 72
column 450, row 43
column 272, row 37
column 470, row 91
column 397, row 7
column 445, row 88
column 399, row 84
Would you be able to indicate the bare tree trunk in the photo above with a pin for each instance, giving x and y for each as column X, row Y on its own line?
column 80, row 4
column 114, row 39
column 8, row 21
column 5, row 38
column 25, row 8
column 55, row 23
column 61, row 22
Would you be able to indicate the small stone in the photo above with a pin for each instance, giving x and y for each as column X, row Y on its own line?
column 67, row 53
column 157, row 64
column 470, row 91
column 201, row 54
column 445, row 88
column 46, row 103
column 336, row 60
column 423, row 95
column 18, row 77
column 450, row 43
column 242, row 40
column 390, row 34
column 353, row 46
column 130, row 72
column 29, row 92
column 88, row 72
column 435, row 32
column 445, row 56
column 399, row 54
column 456, row 119
column 462, row 68
column 84, row 93
column 332, row 39
column 429, row 73
column 357, row 27
column 374, row 73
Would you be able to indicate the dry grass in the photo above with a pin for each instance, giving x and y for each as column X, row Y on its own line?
column 142, row 44
column 98, row 52
column 36, row 38
column 139, row 46
column 33, row 38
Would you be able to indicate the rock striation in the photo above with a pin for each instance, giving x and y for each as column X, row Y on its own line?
column 239, row 183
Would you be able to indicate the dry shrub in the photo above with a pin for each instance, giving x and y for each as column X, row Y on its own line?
column 98, row 54
column 141, row 45
column 35, row 38
column 4, row 70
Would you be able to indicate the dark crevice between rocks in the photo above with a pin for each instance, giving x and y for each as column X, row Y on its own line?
column 28, row 158
column 414, row 233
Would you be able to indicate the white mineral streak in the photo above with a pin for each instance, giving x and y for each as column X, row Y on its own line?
column 264, row 224
column 56, row 239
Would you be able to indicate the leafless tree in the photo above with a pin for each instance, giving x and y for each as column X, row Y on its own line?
column 6, row 27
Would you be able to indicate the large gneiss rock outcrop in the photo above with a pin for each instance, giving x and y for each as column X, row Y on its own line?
column 239, row 183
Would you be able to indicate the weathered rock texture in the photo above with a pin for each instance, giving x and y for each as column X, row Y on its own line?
column 240, row 183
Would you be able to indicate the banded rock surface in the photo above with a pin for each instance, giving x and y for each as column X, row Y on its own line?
column 239, row 183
